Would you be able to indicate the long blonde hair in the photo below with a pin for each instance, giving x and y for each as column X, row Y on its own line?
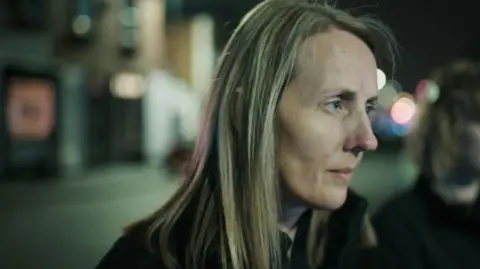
column 230, row 198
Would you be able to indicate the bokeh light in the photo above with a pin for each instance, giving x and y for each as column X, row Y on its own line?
column 381, row 79
column 127, row 86
column 387, row 95
column 396, row 85
column 399, row 129
column 82, row 25
column 406, row 95
column 403, row 110
column 420, row 89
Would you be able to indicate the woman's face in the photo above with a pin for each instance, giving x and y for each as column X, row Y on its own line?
column 461, row 183
column 324, row 123
column 470, row 150
column 466, row 168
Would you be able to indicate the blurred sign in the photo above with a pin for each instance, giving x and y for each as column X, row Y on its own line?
column 30, row 114
column 30, row 109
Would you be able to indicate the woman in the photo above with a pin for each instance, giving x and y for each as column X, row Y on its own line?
column 285, row 128
column 435, row 225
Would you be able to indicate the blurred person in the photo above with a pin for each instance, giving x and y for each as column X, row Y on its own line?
column 436, row 224
column 285, row 128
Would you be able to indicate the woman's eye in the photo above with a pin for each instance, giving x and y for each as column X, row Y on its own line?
column 370, row 108
column 335, row 106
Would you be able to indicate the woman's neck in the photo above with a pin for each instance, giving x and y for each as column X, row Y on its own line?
column 291, row 213
column 292, row 209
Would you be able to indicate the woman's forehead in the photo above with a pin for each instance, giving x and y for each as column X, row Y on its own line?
column 337, row 60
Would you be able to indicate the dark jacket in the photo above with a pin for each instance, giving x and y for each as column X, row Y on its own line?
column 342, row 249
column 421, row 231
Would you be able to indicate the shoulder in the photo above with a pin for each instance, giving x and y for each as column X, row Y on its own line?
column 130, row 252
column 400, row 227
column 402, row 206
column 399, row 223
column 377, row 257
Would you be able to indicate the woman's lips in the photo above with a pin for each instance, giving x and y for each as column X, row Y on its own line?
column 344, row 174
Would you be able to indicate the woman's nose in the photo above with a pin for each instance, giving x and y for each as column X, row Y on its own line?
column 362, row 137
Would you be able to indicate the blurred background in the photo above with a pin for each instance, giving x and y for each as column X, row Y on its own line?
column 101, row 100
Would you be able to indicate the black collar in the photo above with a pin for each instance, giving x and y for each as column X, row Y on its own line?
column 343, row 235
column 343, row 231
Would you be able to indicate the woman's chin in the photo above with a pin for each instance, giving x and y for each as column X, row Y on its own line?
column 329, row 198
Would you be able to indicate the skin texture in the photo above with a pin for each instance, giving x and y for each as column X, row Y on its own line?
column 324, row 121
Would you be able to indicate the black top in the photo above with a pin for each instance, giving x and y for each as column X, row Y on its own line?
column 421, row 231
column 342, row 249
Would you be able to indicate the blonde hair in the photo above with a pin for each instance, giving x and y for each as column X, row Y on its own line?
column 230, row 199
column 440, row 125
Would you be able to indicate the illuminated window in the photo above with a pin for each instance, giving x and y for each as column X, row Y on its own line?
column 127, row 86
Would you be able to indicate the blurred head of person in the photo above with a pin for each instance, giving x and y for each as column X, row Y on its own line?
column 445, row 141
column 288, row 119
